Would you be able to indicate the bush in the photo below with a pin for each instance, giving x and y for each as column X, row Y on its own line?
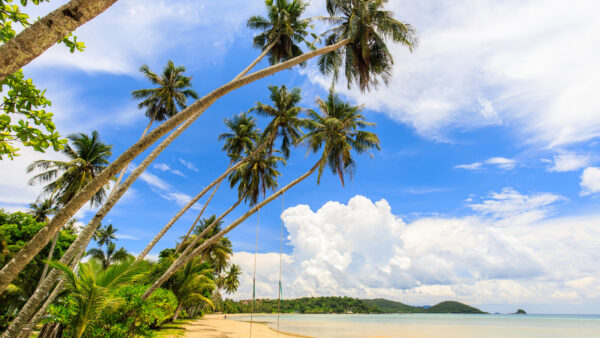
column 126, row 311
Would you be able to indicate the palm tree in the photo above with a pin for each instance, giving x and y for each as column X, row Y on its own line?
column 42, row 210
column 285, row 122
column 179, row 122
column 105, row 235
column 241, row 138
column 282, row 31
column 231, row 282
column 256, row 176
column 111, row 256
column 196, row 279
column 337, row 130
column 93, row 285
column 164, row 101
column 88, row 156
column 366, row 58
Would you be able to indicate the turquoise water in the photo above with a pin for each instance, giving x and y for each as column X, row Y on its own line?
column 434, row 325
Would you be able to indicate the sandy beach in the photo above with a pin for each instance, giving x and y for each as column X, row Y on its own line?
column 217, row 326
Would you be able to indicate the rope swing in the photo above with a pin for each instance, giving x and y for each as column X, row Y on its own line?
column 280, row 254
column 254, row 273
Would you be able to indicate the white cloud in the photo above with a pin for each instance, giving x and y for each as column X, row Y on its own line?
column 568, row 161
column 166, row 167
column 181, row 199
column 363, row 250
column 489, row 62
column 188, row 165
column 154, row 181
column 499, row 162
column 590, row 181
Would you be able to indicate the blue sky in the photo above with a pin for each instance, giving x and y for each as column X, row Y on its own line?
column 485, row 191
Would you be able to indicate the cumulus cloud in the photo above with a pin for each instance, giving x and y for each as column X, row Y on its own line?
column 362, row 249
column 569, row 161
column 590, row 181
column 498, row 162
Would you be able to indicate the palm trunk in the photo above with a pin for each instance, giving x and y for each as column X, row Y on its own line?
column 198, row 217
column 50, row 255
column 43, row 34
column 28, row 310
column 185, row 258
column 176, row 314
column 189, row 115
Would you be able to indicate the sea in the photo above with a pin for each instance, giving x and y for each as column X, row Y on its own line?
column 433, row 325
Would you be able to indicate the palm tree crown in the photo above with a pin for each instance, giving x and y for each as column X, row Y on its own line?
column 105, row 235
column 284, row 117
column 366, row 59
column 42, row 210
column 88, row 156
column 111, row 256
column 337, row 129
column 242, row 136
column 172, row 92
column 283, row 28
column 219, row 253
column 257, row 175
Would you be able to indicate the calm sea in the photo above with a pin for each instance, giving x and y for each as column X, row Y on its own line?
column 434, row 325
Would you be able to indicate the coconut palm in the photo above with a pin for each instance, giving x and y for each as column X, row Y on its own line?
column 105, row 235
column 336, row 130
column 219, row 253
column 231, row 282
column 42, row 210
column 282, row 30
column 242, row 135
column 87, row 157
column 284, row 122
column 195, row 280
column 170, row 95
column 92, row 286
column 179, row 122
column 111, row 256
column 366, row 59
column 256, row 176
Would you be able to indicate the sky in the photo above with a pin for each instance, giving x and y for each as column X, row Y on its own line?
column 486, row 190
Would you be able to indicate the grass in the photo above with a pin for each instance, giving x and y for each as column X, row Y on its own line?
column 174, row 329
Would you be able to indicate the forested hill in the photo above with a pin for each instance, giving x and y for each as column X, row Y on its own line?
column 340, row 305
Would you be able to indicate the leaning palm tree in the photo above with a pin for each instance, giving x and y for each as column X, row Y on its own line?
column 170, row 95
column 366, row 25
column 87, row 157
column 284, row 122
column 111, row 256
column 180, row 122
column 93, row 285
column 41, row 211
column 282, row 30
column 105, row 235
column 336, row 131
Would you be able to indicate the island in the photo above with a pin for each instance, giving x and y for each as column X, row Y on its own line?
column 520, row 312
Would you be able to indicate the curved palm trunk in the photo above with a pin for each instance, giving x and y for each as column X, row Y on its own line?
column 50, row 255
column 184, row 258
column 189, row 115
column 44, row 33
column 18, row 328
column 198, row 217
column 176, row 314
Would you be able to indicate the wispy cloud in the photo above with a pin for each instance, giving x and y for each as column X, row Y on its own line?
column 166, row 167
column 499, row 162
column 188, row 165
column 569, row 161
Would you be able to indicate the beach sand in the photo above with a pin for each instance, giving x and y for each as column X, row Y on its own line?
column 217, row 326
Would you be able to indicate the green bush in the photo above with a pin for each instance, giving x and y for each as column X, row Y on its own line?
column 127, row 311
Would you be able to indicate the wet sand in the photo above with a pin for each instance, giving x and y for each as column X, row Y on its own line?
column 217, row 326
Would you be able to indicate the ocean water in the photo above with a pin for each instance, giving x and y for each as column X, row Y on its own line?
column 434, row 325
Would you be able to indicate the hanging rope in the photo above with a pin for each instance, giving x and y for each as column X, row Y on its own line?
column 280, row 254
column 254, row 273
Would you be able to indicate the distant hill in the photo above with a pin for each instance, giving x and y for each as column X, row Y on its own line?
column 452, row 307
column 340, row 305
column 388, row 306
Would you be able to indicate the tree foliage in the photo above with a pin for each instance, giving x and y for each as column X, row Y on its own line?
column 24, row 118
